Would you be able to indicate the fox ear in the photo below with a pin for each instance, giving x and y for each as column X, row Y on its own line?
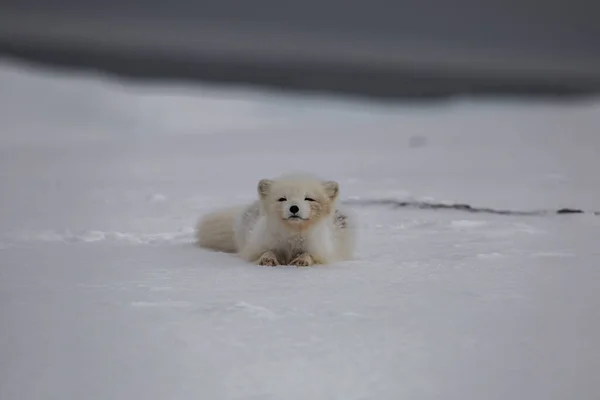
column 263, row 187
column 332, row 189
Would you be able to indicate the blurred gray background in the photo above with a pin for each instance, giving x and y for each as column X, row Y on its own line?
column 383, row 48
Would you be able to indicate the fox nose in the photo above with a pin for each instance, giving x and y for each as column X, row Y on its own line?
column 294, row 209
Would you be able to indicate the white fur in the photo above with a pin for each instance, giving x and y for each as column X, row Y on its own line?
column 215, row 231
column 258, row 228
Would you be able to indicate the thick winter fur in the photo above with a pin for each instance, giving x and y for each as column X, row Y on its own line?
column 294, row 221
column 215, row 231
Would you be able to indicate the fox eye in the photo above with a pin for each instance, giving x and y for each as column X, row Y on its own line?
column 282, row 199
column 309, row 199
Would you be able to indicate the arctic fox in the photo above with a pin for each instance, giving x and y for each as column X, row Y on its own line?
column 294, row 221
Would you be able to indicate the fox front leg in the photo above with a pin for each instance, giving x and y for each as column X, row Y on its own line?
column 303, row 260
column 268, row 258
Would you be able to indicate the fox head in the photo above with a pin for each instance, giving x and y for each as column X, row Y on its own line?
column 298, row 202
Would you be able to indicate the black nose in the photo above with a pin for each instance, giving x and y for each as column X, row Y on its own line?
column 294, row 209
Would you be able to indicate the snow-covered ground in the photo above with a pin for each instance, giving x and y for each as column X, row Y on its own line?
column 104, row 297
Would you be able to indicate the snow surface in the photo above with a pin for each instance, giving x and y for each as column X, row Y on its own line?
column 104, row 296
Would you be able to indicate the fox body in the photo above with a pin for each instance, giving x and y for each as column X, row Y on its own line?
column 294, row 221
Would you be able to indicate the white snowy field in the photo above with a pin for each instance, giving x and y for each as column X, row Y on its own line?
column 104, row 297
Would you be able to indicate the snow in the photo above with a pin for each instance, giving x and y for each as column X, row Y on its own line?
column 104, row 296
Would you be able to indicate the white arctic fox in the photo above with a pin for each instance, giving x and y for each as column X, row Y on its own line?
column 295, row 221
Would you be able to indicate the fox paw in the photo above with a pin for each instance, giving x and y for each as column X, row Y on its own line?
column 303, row 260
column 268, row 259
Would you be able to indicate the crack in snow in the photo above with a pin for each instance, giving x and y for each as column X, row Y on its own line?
column 427, row 205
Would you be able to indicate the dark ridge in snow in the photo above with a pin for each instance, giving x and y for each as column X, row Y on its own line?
column 425, row 205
